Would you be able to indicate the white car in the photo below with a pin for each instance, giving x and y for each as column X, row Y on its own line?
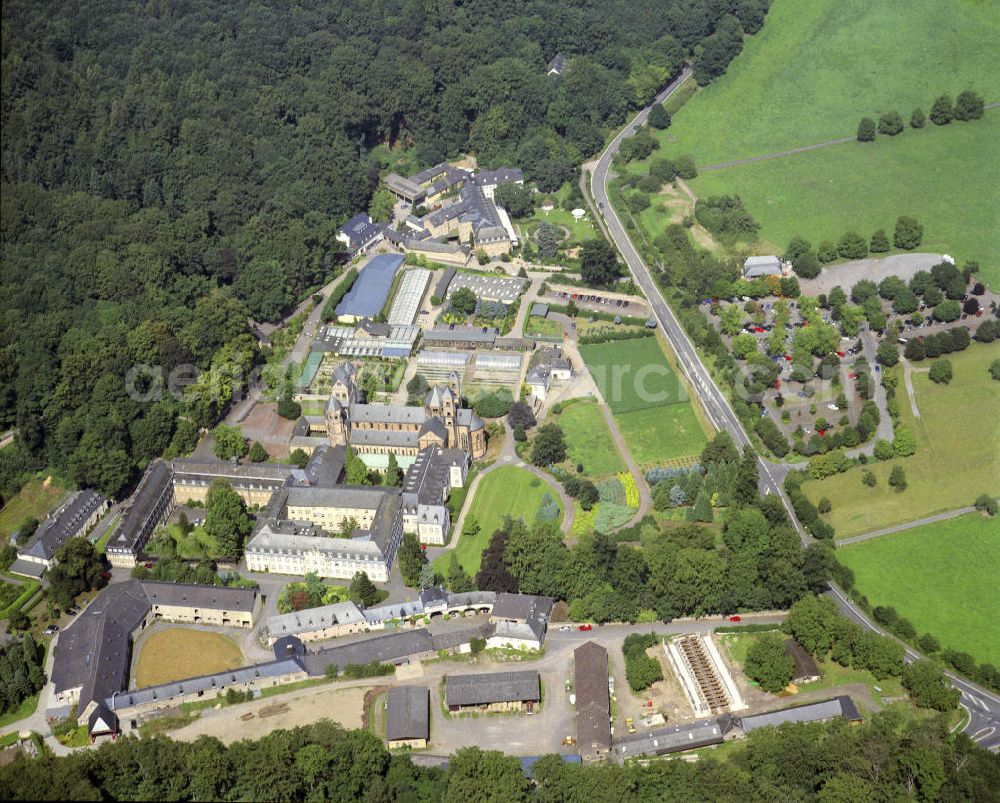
column 832, row 407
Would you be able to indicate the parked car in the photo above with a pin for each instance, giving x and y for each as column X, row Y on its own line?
column 51, row 629
column 734, row 618
column 585, row 628
column 564, row 628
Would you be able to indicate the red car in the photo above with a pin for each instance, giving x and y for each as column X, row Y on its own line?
column 777, row 383
column 788, row 358
column 734, row 618
column 841, row 354
column 585, row 627
column 758, row 329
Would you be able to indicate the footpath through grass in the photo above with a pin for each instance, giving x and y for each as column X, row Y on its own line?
column 942, row 577
column 816, row 68
column 648, row 400
column 507, row 491
column 957, row 459
column 952, row 188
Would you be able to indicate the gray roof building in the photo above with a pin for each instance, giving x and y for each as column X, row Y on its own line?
column 441, row 290
column 674, row 739
column 407, row 714
column 593, row 700
column 491, row 687
column 69, row 521
column 461, row 335
column 557, row 65
column 358, row 233
column 755, row 267
column 94, row 652
column 394, row 648
column 842, row 706
column 370, row 291
column 147, row 507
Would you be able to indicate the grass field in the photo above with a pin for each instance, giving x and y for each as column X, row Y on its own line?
column 940, row 577
column 817, row 68
column 506, row 491
column 957, row 459
column 648, row 400
column 824, row 193
column 176, row 653
column 35, row 499
column 588, row 440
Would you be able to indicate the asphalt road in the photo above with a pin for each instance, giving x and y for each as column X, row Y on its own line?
column 983, row 707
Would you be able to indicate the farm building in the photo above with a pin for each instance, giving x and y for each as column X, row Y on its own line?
column 593, row 700
column 407, row 718
column 492, row 691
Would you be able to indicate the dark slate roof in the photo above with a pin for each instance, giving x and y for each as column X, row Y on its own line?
column 674, row 739
column 390, row 648
column 201, row 596
column 520, row 607
column 94, row 651
column 102, row 720
column 407, row 713
column 326, row 465
column 593, row 700
column 359, row 230
column 558, row 64
column 441, row 290
column 805, row 665
column 368, row 295
column 451, row 639
column 842, row 706
column 491, row 687
column 65, row 523
column 237, row 474
column 288, row 647
column 218, row 680
column 156, row 482
column 451, row 334
column 428, row 479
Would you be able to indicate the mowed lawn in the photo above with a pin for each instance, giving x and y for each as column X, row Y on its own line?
column 649, row 402
column 818, row 67
column 35, row 499
column 588, row 439
column 951, row 175
column 957, row 459
column 175, row 653
column 506, row 491
column 942, row 577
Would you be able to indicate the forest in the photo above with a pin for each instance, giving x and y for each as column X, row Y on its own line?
column 886, row 758
column 171, row 171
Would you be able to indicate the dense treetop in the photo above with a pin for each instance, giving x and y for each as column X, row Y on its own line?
column 170, row 170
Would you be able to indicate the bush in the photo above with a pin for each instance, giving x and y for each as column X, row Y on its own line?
column 890, row 123
column 942, row 111
column 827, row 252
column 807, row 265
column 908, row 233
column 866, row 130
column 947, row 311
column 897, row 479
column 686, row 168
column 918, row 119
column 880, row 242
column 941, row 372
column 968, row 106
column 659, row 117
column 852, row 246
column 986, row 504
column 995, row 370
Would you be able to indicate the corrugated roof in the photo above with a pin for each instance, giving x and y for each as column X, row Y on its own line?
column 491, row 687
column 407, row 713
column 368, row 295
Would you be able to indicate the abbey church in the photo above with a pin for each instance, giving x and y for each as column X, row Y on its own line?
column 383, row 429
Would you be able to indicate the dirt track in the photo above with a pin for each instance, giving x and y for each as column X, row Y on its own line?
column 342, row 705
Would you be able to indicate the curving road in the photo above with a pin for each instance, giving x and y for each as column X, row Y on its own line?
column 983, row 706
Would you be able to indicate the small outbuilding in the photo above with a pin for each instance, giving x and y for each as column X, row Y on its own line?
column 758, row 267
column 493, row 691
column 407, row 719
